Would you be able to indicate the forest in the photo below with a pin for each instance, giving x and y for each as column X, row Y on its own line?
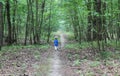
column 88, row 32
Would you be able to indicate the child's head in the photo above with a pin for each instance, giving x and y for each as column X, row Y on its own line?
column 55, row 38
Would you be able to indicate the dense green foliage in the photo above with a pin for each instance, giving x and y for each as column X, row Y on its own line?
column 31, row 20
column 34, row 21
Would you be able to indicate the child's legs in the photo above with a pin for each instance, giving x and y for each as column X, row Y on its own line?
column 56, row 47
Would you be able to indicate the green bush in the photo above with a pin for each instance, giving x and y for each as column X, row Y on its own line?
column 70, row 36
column 95, row 63
column 105, row 54
column 76, row 62
column 78, row 46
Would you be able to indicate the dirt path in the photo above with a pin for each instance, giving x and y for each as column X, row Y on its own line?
column 56, row 63
column 59, row 66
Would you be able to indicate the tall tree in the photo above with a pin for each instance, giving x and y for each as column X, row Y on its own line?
column 36, row 33
column 97, row 20
column 9, row 37
column 89, row 28
column 27, row 22
column 1, row 25
column 49, row 25
column 14, row 35
column 118, row 33
column 42, row 16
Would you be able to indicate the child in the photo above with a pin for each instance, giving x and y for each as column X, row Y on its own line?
column 56, row 43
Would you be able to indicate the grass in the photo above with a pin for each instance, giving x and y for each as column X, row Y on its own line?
column 83, row 45
column 77, row 46
column 94, row 44
column 110, row 53
column 95, row 63
column 105, row 54
column 14, row 48
column 76, row 62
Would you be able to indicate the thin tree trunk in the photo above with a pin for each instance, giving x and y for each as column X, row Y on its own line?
column 41, row 20
column 9, row 38
column 97, row 21
column 74, row 28
column 26, row 32
column 27, row 23
column 13, row 23
column 118, row 33
column 36, row 29
column 1, row 25
column 49, row 26
column 89, row 28
column 31, row 21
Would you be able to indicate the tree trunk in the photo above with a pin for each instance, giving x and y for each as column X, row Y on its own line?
column 49, row 26
column 74, row 29
column 31, row 21
column 9, row 38
column 41, row 20
column 118, row 33
column 27, row 23
column 36, row 29
column 13, row 22
column 1, row 25
column 97, row 21
column 89, row 28
column 26, row 32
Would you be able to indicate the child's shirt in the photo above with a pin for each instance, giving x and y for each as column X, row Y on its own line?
column 55, row 42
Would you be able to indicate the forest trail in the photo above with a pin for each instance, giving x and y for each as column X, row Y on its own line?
column 59, row 65
column 56, row 63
